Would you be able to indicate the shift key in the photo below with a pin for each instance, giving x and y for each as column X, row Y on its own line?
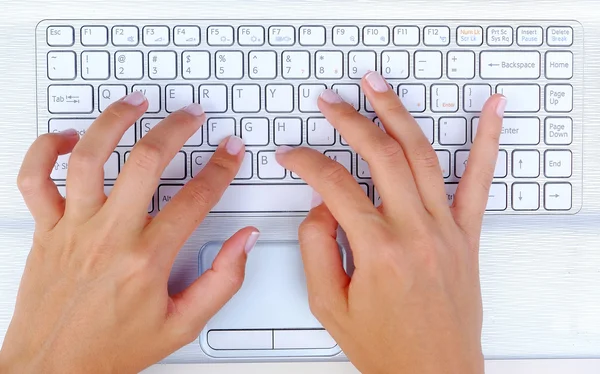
column 70, row 99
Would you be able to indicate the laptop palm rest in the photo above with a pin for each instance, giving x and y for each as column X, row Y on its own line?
column 270, row 315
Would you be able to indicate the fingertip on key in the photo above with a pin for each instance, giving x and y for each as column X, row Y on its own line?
column 136, row 98
column 234, row 145
column 331, row 97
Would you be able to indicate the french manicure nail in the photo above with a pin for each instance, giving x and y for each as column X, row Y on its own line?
column 316, row 200
column 283, row 149
column 234, row 145
column 377, row 82
column 69, row 133
column 501, row 107
column 194, row 109
column 136, row 98
column 331, row 97
column 251, row 241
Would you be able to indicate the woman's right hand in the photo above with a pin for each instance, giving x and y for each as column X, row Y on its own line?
column 413, row 304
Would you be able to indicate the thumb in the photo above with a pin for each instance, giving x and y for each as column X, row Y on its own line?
column 193, row 307
column 326, row 279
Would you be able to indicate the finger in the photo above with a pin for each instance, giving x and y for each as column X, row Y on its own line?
column 193, row 307
column 39, row 191
column 137, row 183
column 326, row 279
column 473, row 190
column 389, row 169
column 182, row 215
column 347, row 201
column 401, row 126
column 85, row 176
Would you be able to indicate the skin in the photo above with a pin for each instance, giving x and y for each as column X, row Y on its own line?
column 94, row 297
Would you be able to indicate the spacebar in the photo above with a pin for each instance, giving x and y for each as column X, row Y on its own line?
column 253, row 198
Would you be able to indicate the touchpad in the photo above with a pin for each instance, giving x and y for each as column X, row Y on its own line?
column 270, row 315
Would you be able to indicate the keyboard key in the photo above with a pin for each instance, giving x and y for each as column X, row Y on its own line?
column 60, row 36
column 412, row 96
column 162, row 65
column 462, row 158
column 343, row 157
column 475, row 96
column 240, row 339
column 302, row 339
column 407, row 35
column 501, row 165
column 251, row 35
column 148, row 124
column 309, row 96
column 82, row 124
column 376, row 35
column 125, row 36
column 461, row 65
column 230, row 65
column 395, row 65
column 94, row 36
column 156, row 35
column 186, row 35
column 345, row 35
column 515, row 131
column 246, row 98
column 288, row 131
column 520, row 97
column 279, row 98
column 220, row 35
column 451, row 192
column 436, row 35
column 178, row 96
column 426, row 125
column 176, row 169
column 444, row 98
column 558, row 164
column 349, row 92
column 329, row 65
column 469, row 36
column 559, row 36
column 360, row 63
column 526, row 196
column 268, row 167
column 428, row 65
column 501, row 36
column 282, row 35
column 195, row 65
column 559, row 65
column 213, row 97
column 444, row 158
column 312, row 35
column 363, row 170
column 557, row 196
column 320, row 132
column 559, row 98
column 95, row 65
column 559, row 131
column 219, row 129
column 263, row 65
column 255, row 131
column 296, row 65
column 453, row 131
column 497, row 200
column 129, row 65
column 530, row 36
column 109, row 93
column 62, row 65
column 526, row 164
column 200, row 159
column 152, row 94
column 111, row 167
column 510, row 65
column 70, row 99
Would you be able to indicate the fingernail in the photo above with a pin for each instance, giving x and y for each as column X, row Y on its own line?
column 194, row 109
column 377, row 82
column 331, row 97
column 251, row 241
column 135, row 98
column 69, row 133
column 283, row 149
column 234, row 145
column 501, row 107
column 316, row 200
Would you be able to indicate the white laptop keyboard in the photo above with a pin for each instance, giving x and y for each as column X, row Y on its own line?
column 260, row 80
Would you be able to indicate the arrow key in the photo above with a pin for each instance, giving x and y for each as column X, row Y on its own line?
column 526, row 196
column 557, row 196
column 526, row 164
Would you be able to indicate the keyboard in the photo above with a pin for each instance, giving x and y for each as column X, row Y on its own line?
column 260, row 80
